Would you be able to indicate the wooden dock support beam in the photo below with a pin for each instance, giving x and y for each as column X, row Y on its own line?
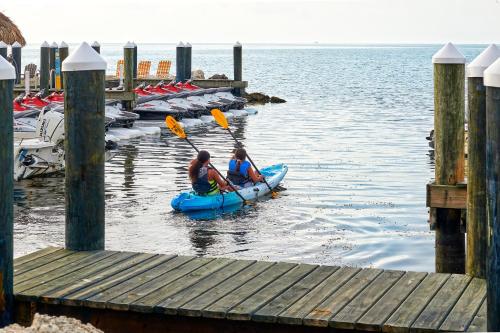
column 449, row 113
column 16, row 56
column 135, row 60
column 84, row 81
column 180, row 60
column 188, row 55
column 3, row 49
column 492, row 83
column 7, row 77
column 44, row 66
column 238, row 66
column 52, row 63
column 63, row 54
column 128, row 72
column 96, row 46
column 477, row 224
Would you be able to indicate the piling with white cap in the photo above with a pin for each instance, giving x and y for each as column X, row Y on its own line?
column 449, row 114
column 188, row 57
column 128, row 69
column 180, row 64
column 63, row 54
column 96, row 46
column 84, row 82
column 477, row 224
column 52, row 63
column 45, row 66
column 492, row 83
column 238, row 65
column 3, row 49
column 16, row 57
column 7, row 77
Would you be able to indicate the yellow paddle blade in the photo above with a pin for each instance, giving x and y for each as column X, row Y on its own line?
column 274, row 194
column 220, row 118
column 174, row 126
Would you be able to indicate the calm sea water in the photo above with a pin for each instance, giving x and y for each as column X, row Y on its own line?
column 352, row 133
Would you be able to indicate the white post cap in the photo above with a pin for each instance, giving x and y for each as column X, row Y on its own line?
column 448, row 55
column 45, row 44
column 484, row 60
column 16, row 44
column 181, row 44
column 238, row 44
column 63, row 45
column 7, row 71
column 3, row 45
column 84, row 58
column 133, row 43
column 96, row 44
column 129, row 45
column 492, row 75
column 54, row 45
column 188, row 45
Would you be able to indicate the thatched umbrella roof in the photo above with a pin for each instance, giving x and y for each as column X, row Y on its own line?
column 9, row 33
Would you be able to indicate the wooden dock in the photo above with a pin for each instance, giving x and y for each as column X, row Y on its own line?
column 139, row 292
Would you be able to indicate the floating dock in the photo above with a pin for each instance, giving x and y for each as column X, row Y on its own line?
column 139, row 292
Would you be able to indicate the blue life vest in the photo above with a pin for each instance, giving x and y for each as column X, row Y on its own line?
column 202, row 186
column 238, row 172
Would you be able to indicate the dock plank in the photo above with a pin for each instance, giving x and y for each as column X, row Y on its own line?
column 334, row 303
column 171, row 304
column 462, row 314
column 438, row 308
column 478, row 324
column 226, row 303
column 41, row 261
column 373, row 319
column 269, row 312
column 34, row 255
column 149, row 302
column 194, row 307
column 125, row 300
column 410, row 309
column 349, row 315
column 245, row 309
column 295, row 314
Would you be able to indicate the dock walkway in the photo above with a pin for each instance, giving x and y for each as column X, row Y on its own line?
column 139, row 292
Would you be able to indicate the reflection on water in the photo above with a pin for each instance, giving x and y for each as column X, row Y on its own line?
column 352, row 133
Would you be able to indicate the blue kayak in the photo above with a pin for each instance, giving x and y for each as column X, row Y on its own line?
column 189, row 201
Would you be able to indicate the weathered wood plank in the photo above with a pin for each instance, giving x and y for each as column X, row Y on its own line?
column 54, row 296
column 447, row 196
column 226, row 303
column 322, row 313
column 33, row 293
column 125, row 300
column 295, row 313
column 350, row 314
column 373, row 319
column 171, row 304
column 34, row 255
column 438, row 308
column 244, row 310
column 478, row 324
column 410, row 309
column 194, row 307
column 42, row 261
column 269, row 312
column 149, row 302
column 466, row 308
column 99, row 296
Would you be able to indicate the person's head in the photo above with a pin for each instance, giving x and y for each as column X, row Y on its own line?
column 202, row 159
column 240, row 154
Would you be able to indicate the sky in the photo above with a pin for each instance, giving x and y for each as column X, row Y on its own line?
column 257, row 21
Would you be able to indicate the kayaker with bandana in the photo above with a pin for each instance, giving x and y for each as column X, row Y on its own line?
column 240, row 171
column 204, row 179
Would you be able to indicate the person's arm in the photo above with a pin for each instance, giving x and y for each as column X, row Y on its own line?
column 213, row 175
column 254, row 176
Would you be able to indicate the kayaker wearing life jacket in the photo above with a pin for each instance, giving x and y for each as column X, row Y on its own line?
column 204, row 179
column 240, row 171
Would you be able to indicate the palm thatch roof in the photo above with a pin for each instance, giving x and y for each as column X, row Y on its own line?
column 9, row 32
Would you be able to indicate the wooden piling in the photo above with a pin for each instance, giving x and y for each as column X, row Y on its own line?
column 180, row 62
column 16, row 57
column 188, row 57
column 3, row 50
column 96, row 46
column 7, row 77
column 63, row 54
column 476, row 177
column 44, row 66
column 128, row 69
column 238, row 65
column 135, row 60
column 84, row 82
column 449, row 113
column 52, row 63
column 492, row 83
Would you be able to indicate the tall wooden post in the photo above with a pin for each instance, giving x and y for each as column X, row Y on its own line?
column 84, row 81
column 44, row 66
column 188, row 56
column 128, row 72
column 449, row 114
column 492, row 83
column 180, row 64
column 238, row 65
column 477, row 224
column 16, row 56
column 3, row 50
column 7, row 77
column 52, row 63
column 63, row 54
column 135, row 60
column 96, row 46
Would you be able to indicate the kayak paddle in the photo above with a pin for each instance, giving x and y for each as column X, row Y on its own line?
column 222, row 121
column 174, row 126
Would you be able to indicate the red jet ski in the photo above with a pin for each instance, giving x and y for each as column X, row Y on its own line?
column 35, row 101
column 187, row 86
